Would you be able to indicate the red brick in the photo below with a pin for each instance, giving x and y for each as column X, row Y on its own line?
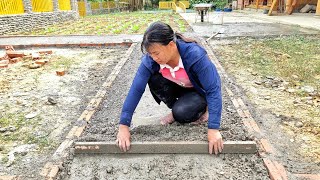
column 248, row 125
column 9, row 48
column 308, row 176
column 79, row 131
column 241, row 103
column 229, row 92
column 281, row 170
column 41, row 62
column 273, row 171
column 14, row 54
column 241, row 113
column 4, row 63
column 247, row 113
column 266, row 145
column 254, row 125
column 235, row 103
column 71, row 132
column 45, row 52
column 15, row 60
column 89, row 115
column 60, row 72
column 83, row 115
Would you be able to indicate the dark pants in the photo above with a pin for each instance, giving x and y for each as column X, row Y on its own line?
column 187, row 105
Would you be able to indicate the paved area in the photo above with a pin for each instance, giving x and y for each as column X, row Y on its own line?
column 73, row 39
column 306, row 20
column 243, row 23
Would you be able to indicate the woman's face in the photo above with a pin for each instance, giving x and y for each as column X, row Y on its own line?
column 160, row 53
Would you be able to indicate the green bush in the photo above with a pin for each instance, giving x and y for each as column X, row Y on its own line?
column 216, row 3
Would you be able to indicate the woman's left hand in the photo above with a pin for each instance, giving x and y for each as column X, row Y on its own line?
column 215, row 141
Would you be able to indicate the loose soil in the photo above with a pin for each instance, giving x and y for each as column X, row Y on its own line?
column 28, row 143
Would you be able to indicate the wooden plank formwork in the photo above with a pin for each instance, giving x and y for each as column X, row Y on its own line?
column 180, row 147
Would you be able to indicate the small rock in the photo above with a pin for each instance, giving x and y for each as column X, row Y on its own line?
column 34, row 66
column 270, row 77
column 291, row 90
column 31, row 115
column 125, row 171
column 258, row 82
column 109, row 169
column 306, row 98
column 254, row 73
column 52, row 100
column 291, row 140
column 12, row 128
column 308, row 89
column 281, row 89
column 295, row 76
column 267, row 97
column 2, row 130
column 299, row 124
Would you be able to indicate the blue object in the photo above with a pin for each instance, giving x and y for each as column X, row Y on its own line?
column 227, row 10
column 202, row 74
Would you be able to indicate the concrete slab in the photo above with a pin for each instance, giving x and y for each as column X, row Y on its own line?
column 179, row 147
column 306, row 20
column 70, row 39
column 237, row 24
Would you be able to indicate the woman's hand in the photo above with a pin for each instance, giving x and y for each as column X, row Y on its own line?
column 215, row 141
column 123, row 138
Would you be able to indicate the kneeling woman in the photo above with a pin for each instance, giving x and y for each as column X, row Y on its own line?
column 180, row 74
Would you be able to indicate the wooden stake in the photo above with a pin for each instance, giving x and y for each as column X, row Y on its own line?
column 274, row 2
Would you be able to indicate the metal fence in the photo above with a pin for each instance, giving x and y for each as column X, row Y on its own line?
column 17, row 7
column 11, row 7
column 42, row 5
column 64, row 5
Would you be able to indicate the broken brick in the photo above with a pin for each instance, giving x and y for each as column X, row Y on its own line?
column 15, row 60
column 41, row 62
column 45, row 52
column 4, row 63
column 15, row 54
column 60, row 72
column 9, row 48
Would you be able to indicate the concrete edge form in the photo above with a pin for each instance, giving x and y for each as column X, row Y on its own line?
column 164, row 147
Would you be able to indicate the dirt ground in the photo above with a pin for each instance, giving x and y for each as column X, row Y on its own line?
column 39, row 126
column 103, row 127
column 26, row 92
column 277, row 115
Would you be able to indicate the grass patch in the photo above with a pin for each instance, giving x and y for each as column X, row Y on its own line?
column 111, row 24
column 60, row 62
column 25, row 130
column 283, row 57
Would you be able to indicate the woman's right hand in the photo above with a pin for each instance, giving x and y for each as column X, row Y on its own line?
column 123, row 138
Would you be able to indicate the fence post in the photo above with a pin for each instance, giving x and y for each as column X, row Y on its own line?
column 55, row 5
column 100, row 8
column 74, row 5
column 27, row 6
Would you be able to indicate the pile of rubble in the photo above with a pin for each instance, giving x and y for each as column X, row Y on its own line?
column 35, row 59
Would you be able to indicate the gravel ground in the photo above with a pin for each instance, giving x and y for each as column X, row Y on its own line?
column 28, row 91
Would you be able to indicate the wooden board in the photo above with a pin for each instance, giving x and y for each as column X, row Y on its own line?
column 173, row 147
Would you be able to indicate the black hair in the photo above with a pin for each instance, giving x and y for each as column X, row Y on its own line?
column 162, row 33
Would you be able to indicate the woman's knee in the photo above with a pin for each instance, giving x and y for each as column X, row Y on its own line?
column 189, row 108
